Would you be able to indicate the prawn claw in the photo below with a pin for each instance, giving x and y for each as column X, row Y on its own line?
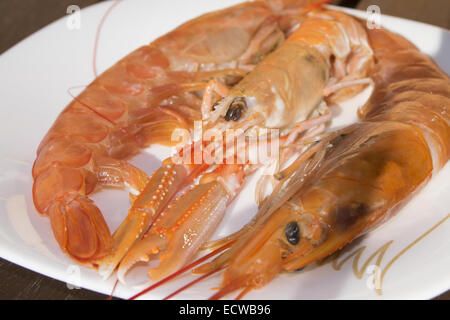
column 163, row 186
column 179, row 232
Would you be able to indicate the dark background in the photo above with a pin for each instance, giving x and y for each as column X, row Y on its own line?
column 20, row 18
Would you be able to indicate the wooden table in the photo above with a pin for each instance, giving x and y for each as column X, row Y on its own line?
column 20, row 18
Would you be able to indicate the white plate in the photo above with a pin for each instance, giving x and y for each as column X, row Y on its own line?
column 34, row 78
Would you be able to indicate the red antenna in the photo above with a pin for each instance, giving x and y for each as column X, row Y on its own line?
column 97, row 36
column 206, row 275
column 182, row 270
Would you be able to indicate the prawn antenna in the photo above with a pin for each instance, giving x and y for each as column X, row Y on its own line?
column 184, row 269
column 204, row 276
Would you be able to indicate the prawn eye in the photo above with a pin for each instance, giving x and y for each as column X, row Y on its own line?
column 235, row 110
column 292, row 233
